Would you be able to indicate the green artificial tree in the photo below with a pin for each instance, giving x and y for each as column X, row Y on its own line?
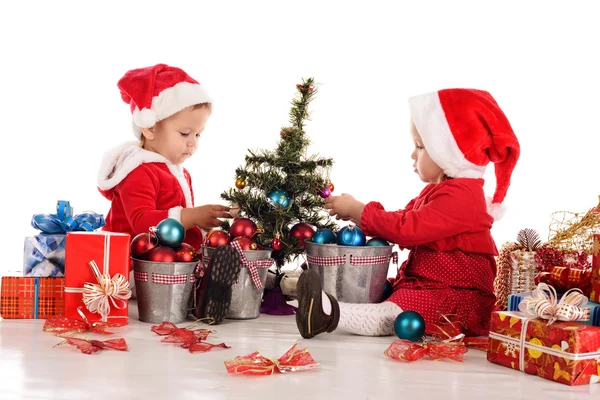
column 281, row 188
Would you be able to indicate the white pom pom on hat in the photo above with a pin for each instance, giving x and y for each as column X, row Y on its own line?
column 157, row 92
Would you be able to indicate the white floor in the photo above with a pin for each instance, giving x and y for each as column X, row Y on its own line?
column 352, row 368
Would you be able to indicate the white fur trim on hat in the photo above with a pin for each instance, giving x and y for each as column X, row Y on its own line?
column 169, row 102
column 430, row 120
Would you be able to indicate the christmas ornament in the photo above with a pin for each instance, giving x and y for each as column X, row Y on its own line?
column 325, row 192
column 408, row 351
column 331, row 187
column 185, row 253
column 387, row 290
column 170, row 232
column 240, row 183
column 376, row 242
column 409, row 325
column 217, row 237
column 162, row 254
column 246, row 243
column 191, row 339
column 324, row 236
column 302, row 231
column 279, row 198
column 351, row 235
column 276, row 243
column 242, row 227
column 295, row 359
column 142, row 244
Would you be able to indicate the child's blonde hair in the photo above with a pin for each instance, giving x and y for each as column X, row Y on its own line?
column 191, row 108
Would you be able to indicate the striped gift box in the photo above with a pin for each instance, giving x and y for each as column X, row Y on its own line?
column 515, row 299
column 31, row 297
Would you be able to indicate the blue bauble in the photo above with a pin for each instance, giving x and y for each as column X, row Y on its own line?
column 387, row 290
column 324, row 236
column 351, row 236
column 409, row 325
column 279, row 198
column 170, row 233
column 377, row 242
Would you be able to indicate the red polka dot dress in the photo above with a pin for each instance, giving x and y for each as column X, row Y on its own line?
column 451, row 267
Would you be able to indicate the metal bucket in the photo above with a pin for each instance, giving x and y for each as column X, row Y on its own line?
column 163, row 290
column 346, row 273
column 245, row 297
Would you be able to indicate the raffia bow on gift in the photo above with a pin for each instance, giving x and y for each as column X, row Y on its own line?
column 253, row 266
column 98, row 297
column 543, row 304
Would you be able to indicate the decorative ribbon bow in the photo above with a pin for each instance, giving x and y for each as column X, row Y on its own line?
column 253, row 265
column 542, row 303
column 97, row 297
column 64, row 221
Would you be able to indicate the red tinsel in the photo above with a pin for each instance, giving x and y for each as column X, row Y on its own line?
column 191, row 339
column 93, row 346
column 295, row 359
column 548, row 257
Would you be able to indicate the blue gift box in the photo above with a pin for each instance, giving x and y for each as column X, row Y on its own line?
column 515, row 299
column 44, row 254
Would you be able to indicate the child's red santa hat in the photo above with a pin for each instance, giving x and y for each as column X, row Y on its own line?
column 463, row 130
column 155, row 93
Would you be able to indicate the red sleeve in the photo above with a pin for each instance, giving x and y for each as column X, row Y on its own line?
column 445, row 214
column 138, row 192
column 188, row 179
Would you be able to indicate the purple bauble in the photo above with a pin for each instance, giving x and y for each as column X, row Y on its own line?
column 325, row 192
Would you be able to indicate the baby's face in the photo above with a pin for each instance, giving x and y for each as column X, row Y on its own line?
column 424, row 166
column 176, row 137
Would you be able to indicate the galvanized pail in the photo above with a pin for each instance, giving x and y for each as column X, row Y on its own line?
column 163, row 290
column 246, row 293
column 351, row 274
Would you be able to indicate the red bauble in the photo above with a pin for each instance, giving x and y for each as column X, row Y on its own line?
column 331, row 187
column 143, row 244
column 216, row 238
column 302, row 231
column 276, row 243
column 242, row 227
column 162, row 254
column 185, row 253
column 246, row 243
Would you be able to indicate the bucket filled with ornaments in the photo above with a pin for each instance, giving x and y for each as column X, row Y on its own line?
column 247, row 292
column 163, row 270
column 352, row 268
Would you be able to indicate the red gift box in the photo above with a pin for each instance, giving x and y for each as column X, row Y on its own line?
column 104, row 290
column 29, row 297
column 565, row 352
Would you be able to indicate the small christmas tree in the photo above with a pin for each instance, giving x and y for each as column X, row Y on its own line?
column 283, row 190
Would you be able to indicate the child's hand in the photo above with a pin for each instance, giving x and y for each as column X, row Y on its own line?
column 205, row 217
column 345, row 207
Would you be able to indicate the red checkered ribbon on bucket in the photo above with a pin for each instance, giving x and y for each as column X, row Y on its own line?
column 140, row 276
column 253, row 266
column 326, row 261
column 354, row 260
column 166, row 279
column 373, row 260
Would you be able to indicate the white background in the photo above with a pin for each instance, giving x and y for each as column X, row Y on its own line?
column 61, row 110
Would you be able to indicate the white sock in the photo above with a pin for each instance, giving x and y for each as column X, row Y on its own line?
column 326, row 303
column 368, row 319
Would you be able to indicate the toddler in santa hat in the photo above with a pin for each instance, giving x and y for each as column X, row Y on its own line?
column 451, row 267
column 146, row 183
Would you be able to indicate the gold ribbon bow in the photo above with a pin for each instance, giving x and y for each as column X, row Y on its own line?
column 97, row 297
column 543, row 304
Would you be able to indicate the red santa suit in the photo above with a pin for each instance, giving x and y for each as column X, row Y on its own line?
column 451, row 267
column 144, row 188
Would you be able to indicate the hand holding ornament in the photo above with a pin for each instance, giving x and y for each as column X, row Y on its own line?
column 205, row 217
column 345, row 207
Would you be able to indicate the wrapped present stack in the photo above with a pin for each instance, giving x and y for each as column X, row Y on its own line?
column 595, row 274
column 517, row 267
column 40, row 292
column 545, row 338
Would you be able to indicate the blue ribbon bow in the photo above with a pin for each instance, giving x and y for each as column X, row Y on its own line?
column 64, row 221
